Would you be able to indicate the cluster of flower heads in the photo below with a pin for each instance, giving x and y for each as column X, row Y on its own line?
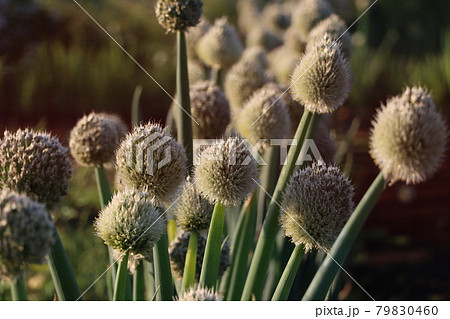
column 178, row 250
column 130, row 222
column 26, row 233
column 95, row 137
column 150, row 159
column 35, row 164
column 200, row 294
column 408, row 138
column 175, row 15
column 227, row 172
column 316, row 205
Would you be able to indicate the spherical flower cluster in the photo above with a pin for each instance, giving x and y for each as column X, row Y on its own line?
column 149, row 159
column 227, row 172
column 308, row 13
column 335, row 28
column 210, row 109
column 192, row 211
column 131, row 222
column 220, row 47
column 178, row 250
column 95, row 137
column 35, row 164
column 408, row 138
column 200, row 294
column 321, row 81
column 264, row 116
column 316, row 205
column 241, row 81
column 282, row 61
column 176, row 15
column 26, row 233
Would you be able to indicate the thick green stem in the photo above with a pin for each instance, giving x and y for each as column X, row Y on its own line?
column 210, row 266
column 258, row 268
column 190, row 263
column 184, row 123
column 163, row 275
column 171, row 229
column 287, row 278
column 121, row 278
column 19, row 288
column 139, row 283
column 66, row 285
column 241, row 251
column 319, row 286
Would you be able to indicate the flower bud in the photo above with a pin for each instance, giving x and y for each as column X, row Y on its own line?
column 321, row 81
column 220, row 47
column 241, row 81
column 95, row 137
column 255, row 54
column 26, row 233
column 150, row 159
column 264, row 116
column 316, row 205
column 176, row 15
column 193, row 36
column 282, row 61
column 308, row 13
column 408, row 138
column 131, row 222
column 35, row 164
column 178, row 250
column 192, row 211
column 227, row 172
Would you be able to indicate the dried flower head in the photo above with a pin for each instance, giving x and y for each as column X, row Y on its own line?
column 321, row 81
column 316, row 205
column 210, row 109
column 241, row 81
column 335, row 28
column 26, row 233
column 201, row 294
column 176, row 15
column 220, row 47
column 261, row 36
column 255, row 54
column 149, row 159
column 131, row 222
column 308, row 13
column 178, row 250
column 192, row 211
column 227, row 172
column 408, row 138
column 35, row 164
column 264, row 116
column 95, row 137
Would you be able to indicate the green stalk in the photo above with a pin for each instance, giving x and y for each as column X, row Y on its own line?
column 216, row 76
column 258, row 268
column 19, row 288
column 149, row 280
column 190, row 263
column 318, row 288
column 121, row 278
column 136, row 115
column 66, row 285
column 139, row 283
column 210, row 266
column 171, row 229
column 163, row 275
column 184, row 123
column 287, row 278
column 241, row 251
